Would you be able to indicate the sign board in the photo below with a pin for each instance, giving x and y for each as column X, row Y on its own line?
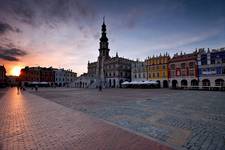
column 208, row 72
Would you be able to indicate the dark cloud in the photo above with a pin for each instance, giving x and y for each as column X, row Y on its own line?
column 51, row 12
column 11, row 54
column 5, row 27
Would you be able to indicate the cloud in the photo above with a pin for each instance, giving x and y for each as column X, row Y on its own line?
column 48, row 12
column 5, row 27
column 11, row 54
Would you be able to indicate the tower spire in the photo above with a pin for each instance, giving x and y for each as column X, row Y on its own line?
column 104, row 50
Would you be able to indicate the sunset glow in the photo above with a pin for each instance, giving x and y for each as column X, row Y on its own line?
column 36, row 34
column 15, row 71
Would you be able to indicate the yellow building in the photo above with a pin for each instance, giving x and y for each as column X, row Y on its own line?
column 157, row 69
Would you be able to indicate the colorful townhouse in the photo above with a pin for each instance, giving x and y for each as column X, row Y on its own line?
column 211, row 67
column 157, row 69
column 183, row 70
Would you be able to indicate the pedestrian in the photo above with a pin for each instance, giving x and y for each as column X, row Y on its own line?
column 36, row 88
column 100, row 88
column 18, row 89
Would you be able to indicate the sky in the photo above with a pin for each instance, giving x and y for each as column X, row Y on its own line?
column 65, row 33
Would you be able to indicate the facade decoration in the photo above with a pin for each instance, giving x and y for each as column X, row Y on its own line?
column 211, row 67
column 157, row 69
column 183, row 70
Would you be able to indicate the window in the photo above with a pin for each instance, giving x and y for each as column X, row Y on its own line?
column 164, row 66
column 183, row 73
column 223, row 60
column 183, row 66
column 191, row 73
column 223, row 70
column 157, row 74
column 172, row 73
column 191, row 64
column 172, row 66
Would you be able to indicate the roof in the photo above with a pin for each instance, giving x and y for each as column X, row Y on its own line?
column 183, row 57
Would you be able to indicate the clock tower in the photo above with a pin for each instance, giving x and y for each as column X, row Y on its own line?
column 104, row 50
column 103, row 55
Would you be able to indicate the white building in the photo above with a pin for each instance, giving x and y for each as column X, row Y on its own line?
column 64, row 77
column 138, row 71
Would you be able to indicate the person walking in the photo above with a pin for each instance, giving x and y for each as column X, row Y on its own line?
column 36, row 88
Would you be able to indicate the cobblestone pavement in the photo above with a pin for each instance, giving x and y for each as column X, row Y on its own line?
column 2, row 92
column 31, row 122
column 192, row 120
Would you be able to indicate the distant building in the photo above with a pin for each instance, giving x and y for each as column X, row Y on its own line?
column 64, row 77
column 47, row 75
column 37, row 74
column 108, row 71
column 3, row 77
column 183, row 70
column 12, row 80
column 30, row 74
column 157, row 69
column 211, row 67
column 138, row 71
column 83, row 81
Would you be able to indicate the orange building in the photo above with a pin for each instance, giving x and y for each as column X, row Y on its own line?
column 157, row 69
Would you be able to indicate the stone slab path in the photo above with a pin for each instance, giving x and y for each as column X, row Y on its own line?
column 31, row 122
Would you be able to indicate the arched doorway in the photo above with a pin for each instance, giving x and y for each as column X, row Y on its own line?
column 205, row 82
column 174, row 84
column 219, row 82
column 194, row 82
column 165, row 84
column 184, row 83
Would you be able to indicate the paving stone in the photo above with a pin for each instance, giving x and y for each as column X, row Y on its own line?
column 31, row 122
column 156, row 113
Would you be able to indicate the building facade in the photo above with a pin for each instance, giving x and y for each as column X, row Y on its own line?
column 52, row 76
column 37, row 74
column 3, row 77
column 211, row 67
column 30, row 74
column 183, row 70
column 64, row 77
column 157, row 69
column 47, row 75
column 138, row 71
column 108, row 71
